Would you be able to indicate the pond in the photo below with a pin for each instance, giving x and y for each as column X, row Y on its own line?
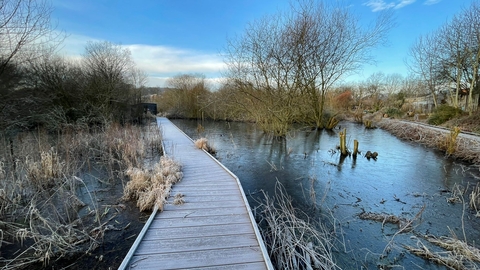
column 407, row 180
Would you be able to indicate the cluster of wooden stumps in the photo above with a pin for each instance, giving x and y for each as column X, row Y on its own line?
column 344, row 151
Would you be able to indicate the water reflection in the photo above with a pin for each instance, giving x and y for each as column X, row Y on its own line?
column 405, row 177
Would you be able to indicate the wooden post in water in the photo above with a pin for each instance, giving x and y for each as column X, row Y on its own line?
column 355, row 148
column 343, row 142
column 368, row 124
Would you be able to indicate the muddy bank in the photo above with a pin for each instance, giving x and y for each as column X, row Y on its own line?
column 467, row 146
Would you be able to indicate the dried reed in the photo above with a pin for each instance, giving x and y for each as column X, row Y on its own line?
column 178, row 199
column 39, row 190
column 203, row 144
column 475, row 199
column 293, row 241
column 458, row 254
column 151, row 188
column 465, row 149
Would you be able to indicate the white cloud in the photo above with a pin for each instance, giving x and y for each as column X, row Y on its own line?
column 162, row 62
column 158, row 62
column 162, row 59
column 431, row 2
column 379, row 5
column 404, row 3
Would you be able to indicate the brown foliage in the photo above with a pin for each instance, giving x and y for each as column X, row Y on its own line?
column 466, row 149
column 151, row 188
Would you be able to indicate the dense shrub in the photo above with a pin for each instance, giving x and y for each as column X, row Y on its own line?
column 442, row 114
column 394, row 112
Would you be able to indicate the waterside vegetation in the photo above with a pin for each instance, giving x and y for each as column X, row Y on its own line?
column 50, row 186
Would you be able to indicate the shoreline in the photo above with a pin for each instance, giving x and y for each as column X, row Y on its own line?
column 467, row 144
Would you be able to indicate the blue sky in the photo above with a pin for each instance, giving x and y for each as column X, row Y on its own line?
column 170, row 37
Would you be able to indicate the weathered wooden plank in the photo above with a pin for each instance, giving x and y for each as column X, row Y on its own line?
column 205, row 172
column 162, row 246
column 206, row 193
column 209, row 177
column 191, row 197
column 169, row 212
column 207, row 205
column 206, row 258
column 200, row 221
column 242, row 266
column 223, row 229
column 191, row 187
column 198, row 191
column 212, row 181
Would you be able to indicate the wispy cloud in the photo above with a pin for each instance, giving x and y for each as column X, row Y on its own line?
column 379, row 5
column 404, row 3
column 431, row 2
column 162, row 59
column 157, row 61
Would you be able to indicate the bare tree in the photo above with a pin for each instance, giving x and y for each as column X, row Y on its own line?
column 424, row 62
column 451, row 55
column 25, row 30
column 289, row 61
column 108, row 69
column 393, row 83
column 472, row 21
column 188, row 95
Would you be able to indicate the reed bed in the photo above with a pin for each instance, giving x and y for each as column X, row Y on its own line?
column 48, row 208
column 293, row 240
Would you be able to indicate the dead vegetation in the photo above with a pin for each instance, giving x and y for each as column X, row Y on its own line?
column 48, row 206
column 474, row 201
column 462, row 148
column 456, row 254
column 151, row 188
column 203, row 144
column 293, row 240
column 385, row 218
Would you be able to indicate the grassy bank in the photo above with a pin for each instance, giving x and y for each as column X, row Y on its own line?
column 463, row 148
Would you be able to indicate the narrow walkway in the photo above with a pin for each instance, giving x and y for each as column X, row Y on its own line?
column 214, row 229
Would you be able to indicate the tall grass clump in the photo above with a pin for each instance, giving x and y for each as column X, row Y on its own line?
column 150, row 188
column 203, row 144
column 49, row 207
column 451, row 140
column 442, row 114
column 293, row 240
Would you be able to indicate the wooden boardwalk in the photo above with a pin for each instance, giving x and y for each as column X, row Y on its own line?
column 214, row 229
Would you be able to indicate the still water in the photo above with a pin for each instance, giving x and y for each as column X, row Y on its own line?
column 405, row 178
